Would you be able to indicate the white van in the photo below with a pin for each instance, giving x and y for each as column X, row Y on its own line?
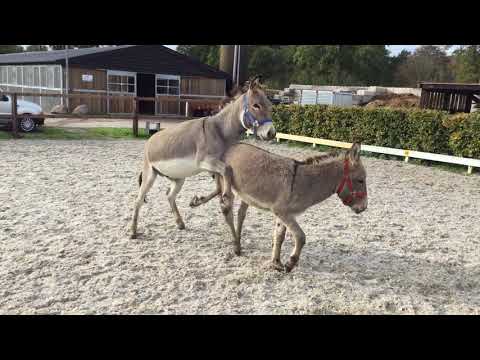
column 34, row 114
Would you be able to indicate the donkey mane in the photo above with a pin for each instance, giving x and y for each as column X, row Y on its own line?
column 322, row 158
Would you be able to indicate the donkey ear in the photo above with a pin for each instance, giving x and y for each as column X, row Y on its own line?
column 255, row 83
column 354, row 153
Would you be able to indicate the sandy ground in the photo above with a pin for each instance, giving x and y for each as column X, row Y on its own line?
column 65, row 208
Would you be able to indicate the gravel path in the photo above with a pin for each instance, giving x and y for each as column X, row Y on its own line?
column 65, row 208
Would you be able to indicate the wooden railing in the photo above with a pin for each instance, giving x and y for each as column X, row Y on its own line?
column 135, row 115
column 407, row 154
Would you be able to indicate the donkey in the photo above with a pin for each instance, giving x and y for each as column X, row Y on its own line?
column 197, row 145
column 287, row 188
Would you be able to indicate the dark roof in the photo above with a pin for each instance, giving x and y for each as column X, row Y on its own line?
column 155, row 59
column 474, row 88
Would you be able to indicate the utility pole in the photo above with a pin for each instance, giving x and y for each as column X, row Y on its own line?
column 67, row 80
column 226, row 59
column 235, row 65
column 238, row 63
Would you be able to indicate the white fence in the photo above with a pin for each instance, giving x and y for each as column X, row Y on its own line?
column 471, row 163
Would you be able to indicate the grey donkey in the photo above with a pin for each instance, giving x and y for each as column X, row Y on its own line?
column 287, row 188
column 197, row 145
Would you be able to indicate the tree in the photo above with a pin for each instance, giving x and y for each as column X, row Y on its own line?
column 467, row 64
column 427, row 63
column 341, row 64
column 207, row 54
column 7, row 49
column 36, row 48
column 271, row 62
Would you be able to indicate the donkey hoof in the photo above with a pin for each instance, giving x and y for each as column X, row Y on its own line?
column 237, row 251
column 292, row 262
column 133, row 236
column 277, row 265
column 226, row 201
column 181, row 226
column 194, row 201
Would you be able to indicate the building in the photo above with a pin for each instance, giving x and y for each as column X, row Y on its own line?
column 131, row 70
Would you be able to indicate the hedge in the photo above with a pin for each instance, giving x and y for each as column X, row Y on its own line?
column 414, row 129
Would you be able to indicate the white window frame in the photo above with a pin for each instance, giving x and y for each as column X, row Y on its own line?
column 168, row 77
column 121, row 73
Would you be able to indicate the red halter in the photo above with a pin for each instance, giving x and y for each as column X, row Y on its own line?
column 346, row 194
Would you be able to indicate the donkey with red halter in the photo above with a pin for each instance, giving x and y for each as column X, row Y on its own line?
column 197, row 145
column 287, row 188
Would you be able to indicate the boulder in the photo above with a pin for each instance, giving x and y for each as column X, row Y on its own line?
column 81, row 110
column 59, row 109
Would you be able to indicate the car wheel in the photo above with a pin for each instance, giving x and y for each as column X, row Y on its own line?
column 27, row 124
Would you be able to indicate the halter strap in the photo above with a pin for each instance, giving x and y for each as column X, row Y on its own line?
column 249, row 121
column 346, row 193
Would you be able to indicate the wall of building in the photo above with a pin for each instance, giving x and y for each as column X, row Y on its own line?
column 202, row 86
column 88, row 82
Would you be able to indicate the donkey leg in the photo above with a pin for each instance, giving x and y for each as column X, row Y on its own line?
column 279, row 232
column 291, row 223
column 228, row 215
column 242, row 213
column 218, row 167
column 197, row 201
column 177, row 185
column 148, row 178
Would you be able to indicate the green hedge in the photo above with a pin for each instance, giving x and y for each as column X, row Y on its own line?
column 413, row 129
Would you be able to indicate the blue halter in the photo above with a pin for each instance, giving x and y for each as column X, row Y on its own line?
column 249, row 121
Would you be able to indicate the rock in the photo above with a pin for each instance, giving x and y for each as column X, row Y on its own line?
column 81, row 110
column 59, row 109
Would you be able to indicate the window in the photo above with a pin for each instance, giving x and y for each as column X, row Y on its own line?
column 50, row 78
column 12, row 75
column 43, row 76
column 28, row 76
column 121, row 82
column 168, row 85
column 57, row 78
column 36, row 76
column 19, row 75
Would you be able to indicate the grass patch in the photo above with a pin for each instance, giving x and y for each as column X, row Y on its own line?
column 52, row 133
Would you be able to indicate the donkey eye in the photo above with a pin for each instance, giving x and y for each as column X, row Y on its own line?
column 256, row 106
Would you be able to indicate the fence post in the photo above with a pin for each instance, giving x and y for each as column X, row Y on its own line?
column 14, row 116
column 135, row 117
column 470, row 170
column 186, row 109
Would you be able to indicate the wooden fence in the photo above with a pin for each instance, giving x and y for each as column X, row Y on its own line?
column 134, row 116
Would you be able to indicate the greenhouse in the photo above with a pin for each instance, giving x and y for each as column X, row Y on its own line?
column 36, row 79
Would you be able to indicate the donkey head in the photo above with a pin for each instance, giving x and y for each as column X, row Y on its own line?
column 353, row 187
column 257, row 111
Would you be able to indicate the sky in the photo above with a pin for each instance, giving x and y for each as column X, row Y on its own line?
column 397, row 49
column 394, row 49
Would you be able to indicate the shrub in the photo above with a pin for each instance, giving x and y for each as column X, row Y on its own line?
column 414, row 129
